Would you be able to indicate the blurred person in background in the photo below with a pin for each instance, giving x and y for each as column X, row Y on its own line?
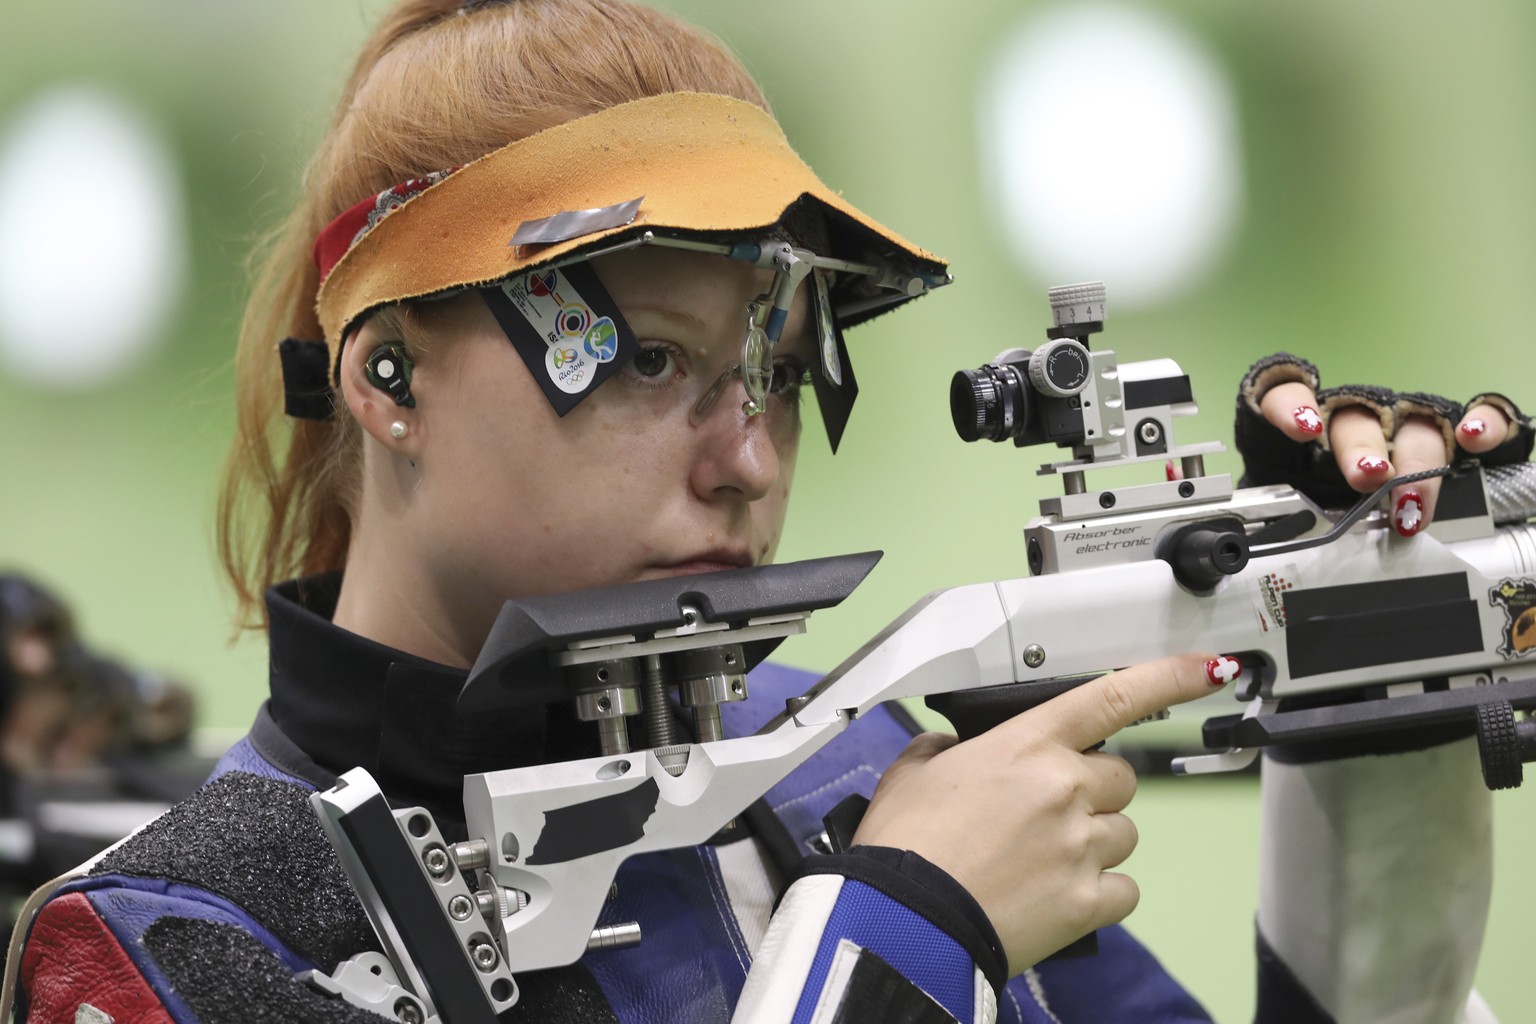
column 67, row 710
column 86, row 744
column 466, row 425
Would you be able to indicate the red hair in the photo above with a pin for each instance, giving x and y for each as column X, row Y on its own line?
column 437, row 85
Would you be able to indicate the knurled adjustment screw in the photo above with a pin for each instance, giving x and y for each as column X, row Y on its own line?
column 1498, row 745
column 1078, row 303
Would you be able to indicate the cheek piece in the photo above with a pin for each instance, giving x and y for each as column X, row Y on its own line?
column 388, row 368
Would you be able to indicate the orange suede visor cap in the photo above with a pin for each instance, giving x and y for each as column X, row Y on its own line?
column 702, row 163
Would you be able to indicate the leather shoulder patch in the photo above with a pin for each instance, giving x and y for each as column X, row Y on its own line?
column 73, row 965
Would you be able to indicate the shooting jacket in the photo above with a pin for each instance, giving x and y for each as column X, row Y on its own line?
column 214, row 911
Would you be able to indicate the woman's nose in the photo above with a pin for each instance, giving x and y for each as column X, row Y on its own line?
column 735, row 454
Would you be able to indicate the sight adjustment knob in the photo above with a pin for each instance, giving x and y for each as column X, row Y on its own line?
column 1074, row 304
column 1060, row 368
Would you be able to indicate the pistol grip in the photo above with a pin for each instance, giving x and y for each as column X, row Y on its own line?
column 973, row 712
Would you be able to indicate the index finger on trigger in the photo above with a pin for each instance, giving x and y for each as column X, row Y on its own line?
column 1292, row 409
column 1098, row 709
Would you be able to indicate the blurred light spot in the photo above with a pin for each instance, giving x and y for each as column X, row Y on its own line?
column 1110, row 144
column 92, row 239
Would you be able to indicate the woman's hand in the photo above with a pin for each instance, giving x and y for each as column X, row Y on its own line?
column 1361, row 450
column 1027, row 817
column 1365, row 436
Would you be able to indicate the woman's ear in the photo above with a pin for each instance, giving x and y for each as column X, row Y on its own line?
column 375, row 383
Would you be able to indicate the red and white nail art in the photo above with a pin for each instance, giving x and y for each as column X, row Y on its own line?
column 1373, row 464
column 1474, row 427
column 1221, row 670
column 1408, row 517
column 1307, row 419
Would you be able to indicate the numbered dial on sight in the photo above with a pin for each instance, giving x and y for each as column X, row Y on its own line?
column 1060, row 368
column 1078, row 303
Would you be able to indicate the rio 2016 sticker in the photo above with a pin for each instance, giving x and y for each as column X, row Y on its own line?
column 578, row 339
column 1518, row 599
column 568, row 368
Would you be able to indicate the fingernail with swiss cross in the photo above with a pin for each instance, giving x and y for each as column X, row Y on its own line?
column 1408, row 516
column 1220, row 671
column 1307, row 419
column 1474, row 428
column 1373, row 464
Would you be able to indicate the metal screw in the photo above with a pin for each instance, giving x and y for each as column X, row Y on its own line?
column 1150, row 431
column 795, row 705
column 1107, row 499
column 1186, row 489
column 484, row 955
column 460, row 907
column 407, row 1012
column 1034, row 655
column 436, row 860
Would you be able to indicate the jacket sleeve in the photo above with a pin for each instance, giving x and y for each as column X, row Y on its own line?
column 882, row 935
column 875, row 934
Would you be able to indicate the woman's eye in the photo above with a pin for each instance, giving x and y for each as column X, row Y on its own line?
column 788, row 376
column 653, row 362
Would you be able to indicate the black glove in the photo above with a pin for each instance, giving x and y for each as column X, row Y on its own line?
column 1270, row 457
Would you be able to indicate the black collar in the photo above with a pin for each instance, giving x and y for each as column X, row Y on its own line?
column 345, row 701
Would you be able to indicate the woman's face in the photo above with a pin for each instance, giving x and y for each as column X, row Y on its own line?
column 507, row 499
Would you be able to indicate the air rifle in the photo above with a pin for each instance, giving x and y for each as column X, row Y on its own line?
column 1347, row 630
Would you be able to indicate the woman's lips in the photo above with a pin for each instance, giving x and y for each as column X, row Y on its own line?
column 690, row 568
column 710, row 561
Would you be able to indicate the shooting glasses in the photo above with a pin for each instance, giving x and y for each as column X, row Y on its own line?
column 765, row 316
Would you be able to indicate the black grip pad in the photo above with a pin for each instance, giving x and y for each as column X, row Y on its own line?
column 973, row 712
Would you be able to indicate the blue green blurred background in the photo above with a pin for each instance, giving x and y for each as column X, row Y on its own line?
column 1348, row 179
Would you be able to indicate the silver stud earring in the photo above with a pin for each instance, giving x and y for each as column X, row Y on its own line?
column 397, row 429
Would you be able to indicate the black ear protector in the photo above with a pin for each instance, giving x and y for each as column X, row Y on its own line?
column 389, row 369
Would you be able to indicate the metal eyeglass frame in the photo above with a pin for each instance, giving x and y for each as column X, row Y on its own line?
column 768, row 313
